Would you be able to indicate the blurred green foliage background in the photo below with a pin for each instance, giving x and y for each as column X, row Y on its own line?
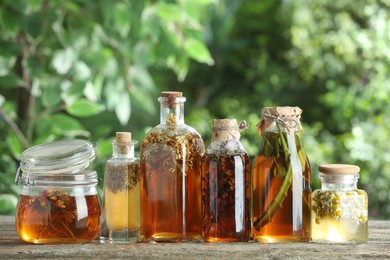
column 86, row 69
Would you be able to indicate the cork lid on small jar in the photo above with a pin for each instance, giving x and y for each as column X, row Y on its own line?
column 339, row 169
column 339, row 173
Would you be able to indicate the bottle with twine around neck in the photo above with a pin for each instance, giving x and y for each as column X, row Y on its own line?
column 171, row 154
column 121, row 194
column 281, row 179
column 226, row 185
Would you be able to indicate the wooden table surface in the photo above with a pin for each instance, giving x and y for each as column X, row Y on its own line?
column 378, row 247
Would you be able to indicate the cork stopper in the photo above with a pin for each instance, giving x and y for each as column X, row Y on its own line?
column 224, row 129
column 287, row 117
column 169, row 98
column 123, row 137
column 171, row 94
column 122, row 141
column 339, row 169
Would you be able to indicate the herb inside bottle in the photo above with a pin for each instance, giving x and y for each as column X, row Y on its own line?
column 281, row 179
column 170, row 176
column 225, row 186
column 121, row 200
column 55, row 217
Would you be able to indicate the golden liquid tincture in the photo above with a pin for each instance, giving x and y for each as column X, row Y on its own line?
column 281, row 179
column 339, row 208
column 58, row 203
column 121, row 193
column 170, row 169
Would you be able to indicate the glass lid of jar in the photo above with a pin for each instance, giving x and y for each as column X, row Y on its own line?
column 58, row 157
column 55, row 160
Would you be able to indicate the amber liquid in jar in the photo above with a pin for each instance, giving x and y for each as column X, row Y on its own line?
column 170, row 186
column 282, row 227
column 56, row 217
column 226, row 195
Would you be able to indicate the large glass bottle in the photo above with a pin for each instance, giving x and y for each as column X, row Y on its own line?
column 170, row 169
column 339, row 208
column 281, row 179
column 121, row 198
column 226, row 185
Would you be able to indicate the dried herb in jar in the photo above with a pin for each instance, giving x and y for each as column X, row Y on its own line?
column 54, row 215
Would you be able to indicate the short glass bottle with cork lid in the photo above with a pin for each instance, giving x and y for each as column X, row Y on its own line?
column 170, row 167
column 226, row 185
column 339, row 208
column 121, row 194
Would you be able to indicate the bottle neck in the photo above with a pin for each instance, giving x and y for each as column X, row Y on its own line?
column 172, row 115
column 123, row 150
column 274, row 128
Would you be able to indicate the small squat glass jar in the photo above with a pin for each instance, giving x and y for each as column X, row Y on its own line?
column 339, row 208
column 58, row 203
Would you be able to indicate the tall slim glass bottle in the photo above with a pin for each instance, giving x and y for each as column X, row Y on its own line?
column 226, row 185
column 170, row 169
column 121, row 194
column 281, row 179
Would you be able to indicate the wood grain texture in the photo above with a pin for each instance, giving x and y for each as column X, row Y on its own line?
column 378, row 247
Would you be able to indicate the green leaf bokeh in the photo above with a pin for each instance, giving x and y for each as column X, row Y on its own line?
column 86, row 69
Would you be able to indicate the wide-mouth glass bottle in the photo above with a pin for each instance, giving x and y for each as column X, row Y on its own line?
column 59, row 201
column 339, row 208
column 281, row 179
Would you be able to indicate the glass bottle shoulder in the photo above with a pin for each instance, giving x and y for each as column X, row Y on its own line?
column 166, row 134
column 178, row 129
column 117, row 160
column 228, row 147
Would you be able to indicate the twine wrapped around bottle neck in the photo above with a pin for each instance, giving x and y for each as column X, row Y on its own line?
column 287, row 117
column 224, row 129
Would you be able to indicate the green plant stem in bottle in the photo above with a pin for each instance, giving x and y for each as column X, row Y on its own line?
column 281, row 180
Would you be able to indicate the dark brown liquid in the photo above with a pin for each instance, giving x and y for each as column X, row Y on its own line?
column 280, row 227
column 171, row 190
column 226, row 198
column 58, row 219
